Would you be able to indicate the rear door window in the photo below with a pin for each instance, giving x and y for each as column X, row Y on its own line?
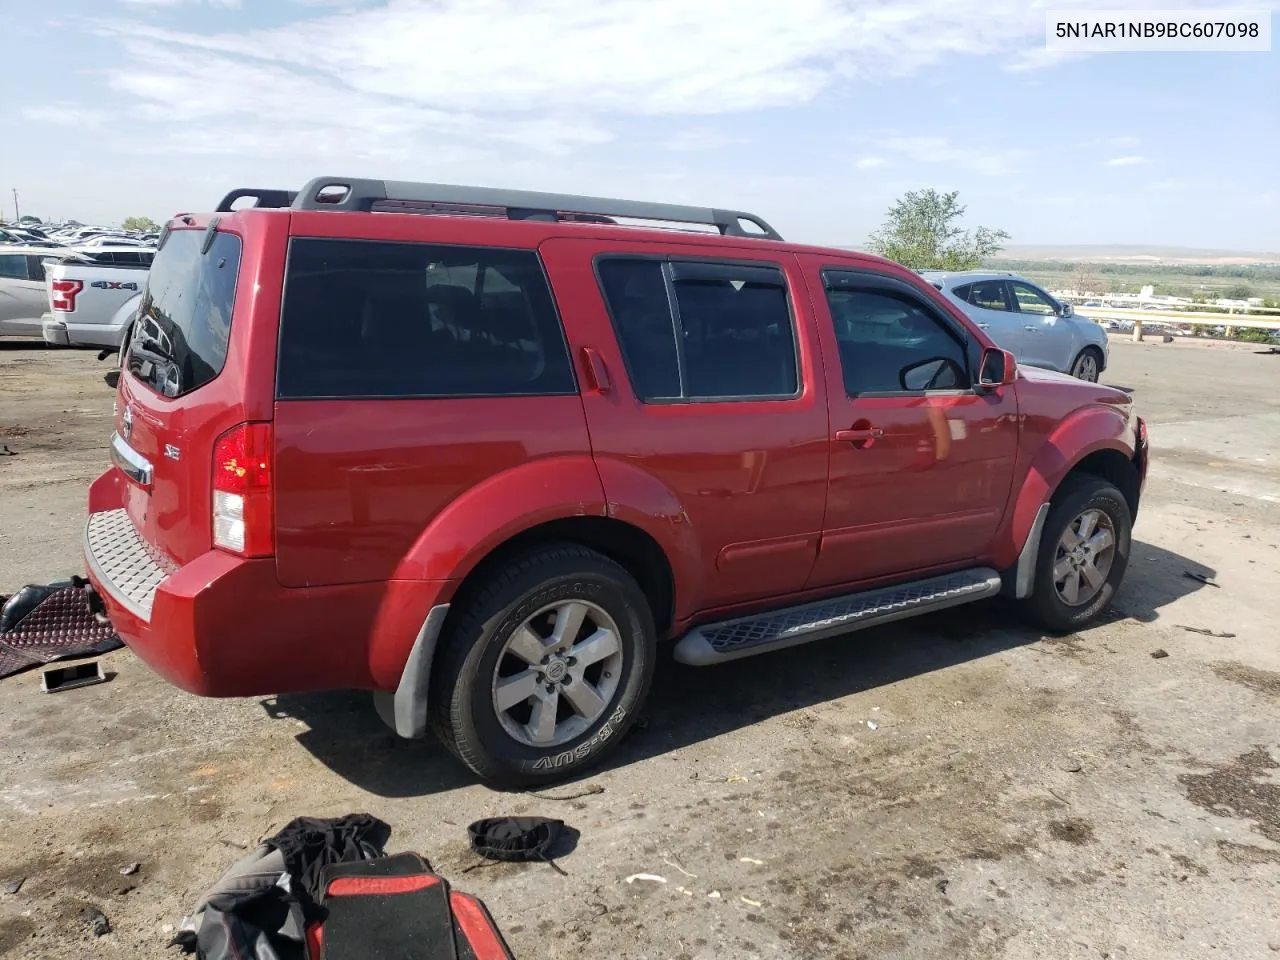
column 13, row 266
column 383, row 319
column 179, row 342
column 702, row 330
column 989, row 295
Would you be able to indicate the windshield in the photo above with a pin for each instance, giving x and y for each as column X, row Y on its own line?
column 179, row 339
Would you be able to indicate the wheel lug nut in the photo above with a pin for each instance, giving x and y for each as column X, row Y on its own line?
column 551, row 688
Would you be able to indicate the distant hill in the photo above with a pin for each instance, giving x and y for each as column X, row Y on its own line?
column 1134, row 253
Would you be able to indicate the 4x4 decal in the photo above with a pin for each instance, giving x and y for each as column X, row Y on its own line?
column 114, row 285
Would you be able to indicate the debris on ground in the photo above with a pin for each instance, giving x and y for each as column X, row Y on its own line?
column 129, row 869
column 646, row 877
column 5, row 451
column 942, row 885
column 1201, row 578
column 518, row 839
column 1159, row 654
column 13, row 886
column 872, row 725
column 735, row 778
column 758, row 863
column 1204, row 632
column 97, row 921
column 751, row 903
column 590, row 790
column 676, row 863
column 1070, row 765
column 714, row 895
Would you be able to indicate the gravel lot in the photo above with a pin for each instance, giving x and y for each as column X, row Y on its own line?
column 957, row 786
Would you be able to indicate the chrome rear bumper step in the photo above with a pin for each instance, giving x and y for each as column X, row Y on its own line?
column 791, row 626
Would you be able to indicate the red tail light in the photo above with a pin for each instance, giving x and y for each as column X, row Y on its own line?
column 64, row 295
column 242, row 510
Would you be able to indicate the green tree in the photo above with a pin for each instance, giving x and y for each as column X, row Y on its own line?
column 140, row 224
column 1238, row 291
column 28, row 218
column 920, row 232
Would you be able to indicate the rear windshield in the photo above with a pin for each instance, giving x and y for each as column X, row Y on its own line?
column 179, row 339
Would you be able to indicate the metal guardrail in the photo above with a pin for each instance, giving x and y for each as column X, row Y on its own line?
column 1179, row 317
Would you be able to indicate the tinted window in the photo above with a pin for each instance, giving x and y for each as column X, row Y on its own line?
column 988, row 294
column 35, row 268
column 372, row 319
column 13, row 266
column 180, row 339
column 890, row 342
column 1031, row 300
column 636, row 292
column 731, row 336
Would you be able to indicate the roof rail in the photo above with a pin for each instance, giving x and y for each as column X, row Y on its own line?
column 261, row 198
column 346, row 193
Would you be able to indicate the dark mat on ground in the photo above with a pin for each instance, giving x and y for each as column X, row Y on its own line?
column 60, row 627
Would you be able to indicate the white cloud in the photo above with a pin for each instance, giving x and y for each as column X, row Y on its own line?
column 1133, row 160
column 940, row 150
column 870, row 163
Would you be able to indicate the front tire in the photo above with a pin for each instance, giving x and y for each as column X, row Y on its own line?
column 544, row 668
column 1084, row 550
column 1088, row 365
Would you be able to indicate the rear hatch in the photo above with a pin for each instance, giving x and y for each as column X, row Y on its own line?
column 182, row 386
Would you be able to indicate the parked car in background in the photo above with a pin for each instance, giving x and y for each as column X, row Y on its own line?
column 93, row 293
column 23, row 296
column 484, row 464
column 1023, row 318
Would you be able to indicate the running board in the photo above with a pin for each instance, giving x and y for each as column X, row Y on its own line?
column 791, row 626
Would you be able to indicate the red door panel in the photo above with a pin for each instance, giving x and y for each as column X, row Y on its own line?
column 918, row 480
column 751, row 475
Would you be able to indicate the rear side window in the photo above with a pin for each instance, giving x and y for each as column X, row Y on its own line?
column 373, row 319
column 179, row 341
column 13, row 266
column 988, row 294
column 702, row 330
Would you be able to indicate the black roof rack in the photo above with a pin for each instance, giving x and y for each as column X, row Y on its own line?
column 346, row 193
column 261, row 198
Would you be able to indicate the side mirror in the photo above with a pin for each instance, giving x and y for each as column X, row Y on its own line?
column 999, row 368
column 1067, row 311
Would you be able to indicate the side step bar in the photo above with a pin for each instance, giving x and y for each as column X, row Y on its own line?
column 791, row 626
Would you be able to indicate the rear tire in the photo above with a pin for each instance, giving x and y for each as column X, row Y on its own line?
column 1088, row 365
column 1077, row 577
column 516, row 712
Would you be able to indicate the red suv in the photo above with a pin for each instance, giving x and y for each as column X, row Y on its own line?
column 481, row 451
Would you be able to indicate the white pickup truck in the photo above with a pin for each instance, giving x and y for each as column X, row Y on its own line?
column 93, row 294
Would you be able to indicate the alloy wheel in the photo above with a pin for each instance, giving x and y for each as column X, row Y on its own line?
column 557, row 673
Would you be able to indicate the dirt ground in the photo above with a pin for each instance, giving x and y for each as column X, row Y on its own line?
column 957, row 786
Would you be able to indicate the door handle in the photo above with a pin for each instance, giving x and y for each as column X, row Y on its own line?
column 597, row 372
column 984, row 326
column 1032, row 327
column 855, row 436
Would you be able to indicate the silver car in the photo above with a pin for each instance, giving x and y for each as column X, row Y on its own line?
column 1025, row 320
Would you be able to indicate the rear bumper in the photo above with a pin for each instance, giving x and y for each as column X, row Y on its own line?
column 65, row 333
column 54, row 331
column 223, row 626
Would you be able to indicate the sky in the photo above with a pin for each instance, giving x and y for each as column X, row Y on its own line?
column 814, row 114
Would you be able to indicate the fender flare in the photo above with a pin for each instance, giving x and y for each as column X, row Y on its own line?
column 501, row 507
column 1085, row 432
